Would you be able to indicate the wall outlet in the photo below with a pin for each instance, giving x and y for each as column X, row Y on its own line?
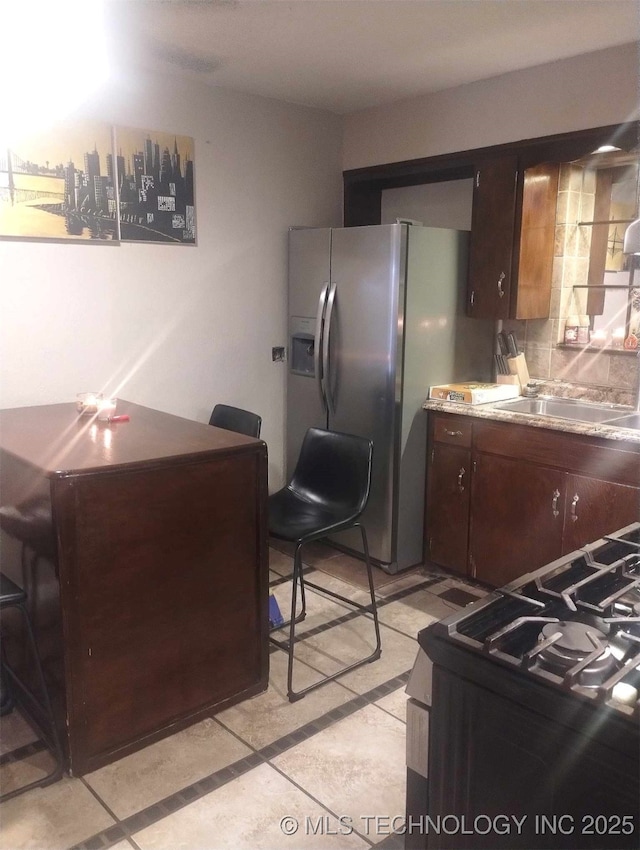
column 278, row 354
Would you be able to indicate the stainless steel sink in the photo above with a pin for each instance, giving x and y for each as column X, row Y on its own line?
column 632, row 420
column 564, row 408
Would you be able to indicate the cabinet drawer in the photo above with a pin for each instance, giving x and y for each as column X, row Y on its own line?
column 452, row 429
column 609, row 460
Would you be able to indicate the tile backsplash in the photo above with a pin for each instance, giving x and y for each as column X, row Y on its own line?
column 602, row 375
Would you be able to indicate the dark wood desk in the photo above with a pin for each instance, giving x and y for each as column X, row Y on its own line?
column 156, row 612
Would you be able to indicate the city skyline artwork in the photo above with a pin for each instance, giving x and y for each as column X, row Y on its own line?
column 155, row 182
column 88, row 181
column 60, row 184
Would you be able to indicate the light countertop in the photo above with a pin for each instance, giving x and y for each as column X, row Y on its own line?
column 491, row 411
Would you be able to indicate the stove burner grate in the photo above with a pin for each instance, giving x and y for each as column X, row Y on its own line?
column 574, row 624
column 596, row 589
column 576, row 652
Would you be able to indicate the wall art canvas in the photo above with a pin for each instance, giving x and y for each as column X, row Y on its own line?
column 155, row 186
column 59, row 184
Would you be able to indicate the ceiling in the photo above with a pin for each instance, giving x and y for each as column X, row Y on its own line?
column 347, row 55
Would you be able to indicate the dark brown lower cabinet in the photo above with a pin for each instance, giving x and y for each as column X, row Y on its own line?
column 449, row 492
column 590, row 505
column 516, row 518
column 530, row 494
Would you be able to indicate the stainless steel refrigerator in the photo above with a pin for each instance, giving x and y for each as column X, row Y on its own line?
column 376, row 316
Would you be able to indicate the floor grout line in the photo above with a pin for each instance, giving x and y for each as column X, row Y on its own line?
column 189, row 794
column 123, row 829
column 351, row 615
column 315, row 800
column 276, row 645
column 95, row 794
column 20, row 753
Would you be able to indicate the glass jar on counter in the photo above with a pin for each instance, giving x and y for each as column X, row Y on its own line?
column 584, row 330
column 571, row 329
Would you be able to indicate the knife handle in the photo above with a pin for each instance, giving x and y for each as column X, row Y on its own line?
column 513, row 344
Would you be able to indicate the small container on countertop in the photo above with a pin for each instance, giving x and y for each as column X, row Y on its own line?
column 571, row 329
column 87, row 404
column 584, row 330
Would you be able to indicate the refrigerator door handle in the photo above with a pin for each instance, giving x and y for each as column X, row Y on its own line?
column 326, row 339
column 318, row 365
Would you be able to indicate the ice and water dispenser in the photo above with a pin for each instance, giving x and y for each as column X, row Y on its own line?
column 301, row 359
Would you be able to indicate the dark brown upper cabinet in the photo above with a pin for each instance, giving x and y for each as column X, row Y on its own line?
column 514, row 210
column 492, row 238
column 512, row 240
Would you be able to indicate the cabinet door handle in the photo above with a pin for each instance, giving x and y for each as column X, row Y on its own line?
column 500, row 287
column 452, row 433
column 554, row 503
column 461, row 479
column 574, row 502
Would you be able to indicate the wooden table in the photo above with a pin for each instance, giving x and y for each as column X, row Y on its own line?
column 155, row 613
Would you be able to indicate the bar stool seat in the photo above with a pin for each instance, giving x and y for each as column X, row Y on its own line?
column 12, row 596
column 291, row 518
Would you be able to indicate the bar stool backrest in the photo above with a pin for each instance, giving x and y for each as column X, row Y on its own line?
column 236, row 419
column 334, row 470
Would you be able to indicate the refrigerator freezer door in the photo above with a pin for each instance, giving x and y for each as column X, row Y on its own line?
column 309, row 275
column 365, row 347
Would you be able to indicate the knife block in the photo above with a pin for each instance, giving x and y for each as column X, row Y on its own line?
column 518, row 368
column 509, row 379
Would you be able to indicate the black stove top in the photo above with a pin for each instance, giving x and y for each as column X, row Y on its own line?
column 573, row 624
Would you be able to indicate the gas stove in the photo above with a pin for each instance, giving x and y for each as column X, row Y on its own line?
column 574, row 623
column 535, row 708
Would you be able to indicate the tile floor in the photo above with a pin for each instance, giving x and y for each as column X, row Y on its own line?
column 327, row 771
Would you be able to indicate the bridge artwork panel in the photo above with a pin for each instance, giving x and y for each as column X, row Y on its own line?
column 60, row 185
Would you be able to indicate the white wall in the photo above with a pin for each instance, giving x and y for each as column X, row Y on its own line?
column 446, row 204
column 592, row 90
column 176, row 327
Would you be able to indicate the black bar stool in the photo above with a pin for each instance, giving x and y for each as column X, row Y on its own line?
column 327, row 493
column 11, row 596
column 31, row 524
column 236, row 419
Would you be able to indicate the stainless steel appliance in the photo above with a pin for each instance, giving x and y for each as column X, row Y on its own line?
column 376, row 316
column 534, row 735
